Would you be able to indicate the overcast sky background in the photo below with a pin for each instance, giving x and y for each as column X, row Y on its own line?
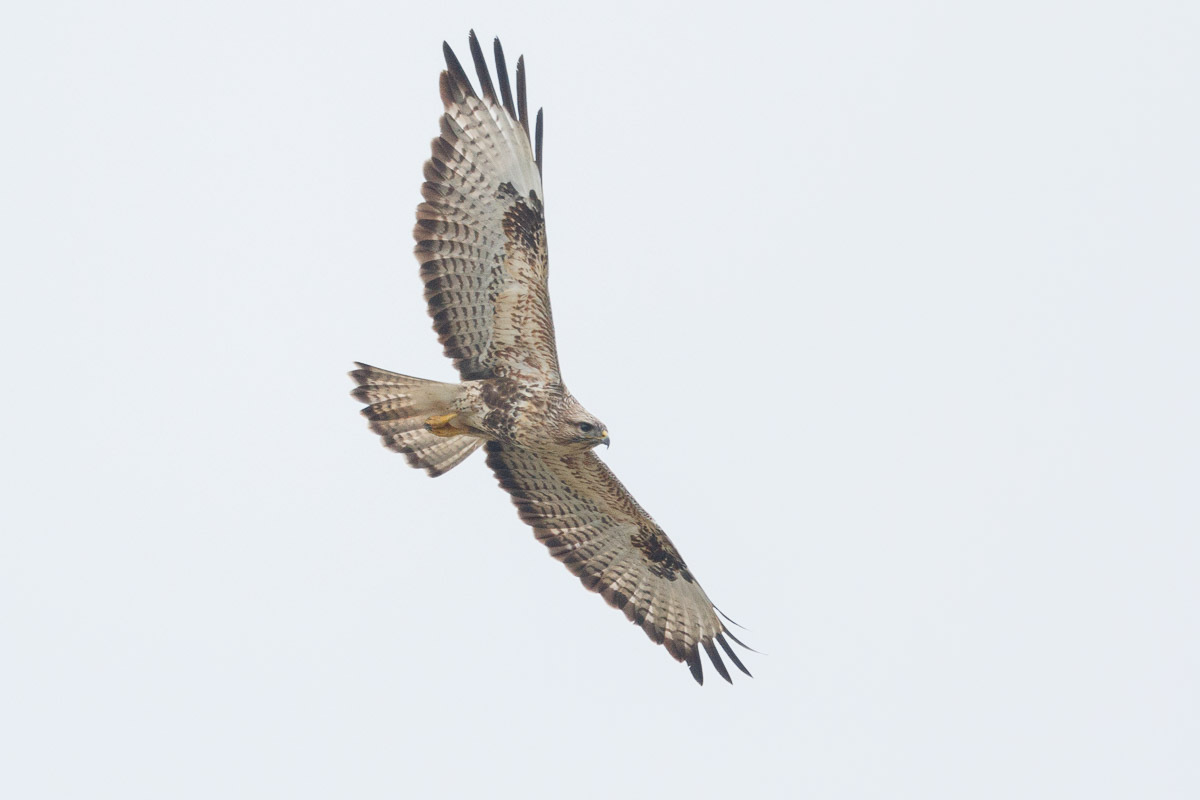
column 891, row 309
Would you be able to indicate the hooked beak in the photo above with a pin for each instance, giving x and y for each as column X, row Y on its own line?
column 605, row 441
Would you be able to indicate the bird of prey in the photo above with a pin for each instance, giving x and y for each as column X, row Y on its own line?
column 481, row 242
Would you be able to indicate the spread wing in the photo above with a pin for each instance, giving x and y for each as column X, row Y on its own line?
column 579, row 510
column 481, row 233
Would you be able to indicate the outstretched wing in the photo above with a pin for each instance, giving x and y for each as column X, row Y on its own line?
column 579, row 510
column 481, row 233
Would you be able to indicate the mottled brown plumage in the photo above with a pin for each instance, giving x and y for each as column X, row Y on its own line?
column 481, row 241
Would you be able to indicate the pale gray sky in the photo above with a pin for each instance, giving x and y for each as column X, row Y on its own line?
column 928, row 270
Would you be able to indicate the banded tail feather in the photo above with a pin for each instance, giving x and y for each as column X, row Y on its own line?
column 398, row 407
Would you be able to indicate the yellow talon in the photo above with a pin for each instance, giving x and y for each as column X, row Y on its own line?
column 443, row 425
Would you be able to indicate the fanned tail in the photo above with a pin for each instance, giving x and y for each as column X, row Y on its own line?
column 398, row 407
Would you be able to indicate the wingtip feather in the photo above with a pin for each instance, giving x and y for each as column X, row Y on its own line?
column 715, row 658
column 694, row 664
column 481, row 70
column 506, row 95
column 522, row 99
column 732, row 655
column 537, row 158
column 456, row 71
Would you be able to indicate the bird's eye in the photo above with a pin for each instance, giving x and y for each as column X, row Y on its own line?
column 586, row 427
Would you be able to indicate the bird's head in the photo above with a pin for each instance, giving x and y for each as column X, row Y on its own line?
column 589, row 432
column 579, row 430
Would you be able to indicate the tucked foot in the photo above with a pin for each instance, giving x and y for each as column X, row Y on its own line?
column 443, row 425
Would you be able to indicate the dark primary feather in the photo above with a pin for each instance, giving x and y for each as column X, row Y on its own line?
column 456, row 69
column 729, row 651
column 537, row 147
column 522, row 104
column 502, row 74
column 481, row 69
column 695, row 665
column 715, row 658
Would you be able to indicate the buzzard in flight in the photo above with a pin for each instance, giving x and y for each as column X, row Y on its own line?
column 481, row 241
